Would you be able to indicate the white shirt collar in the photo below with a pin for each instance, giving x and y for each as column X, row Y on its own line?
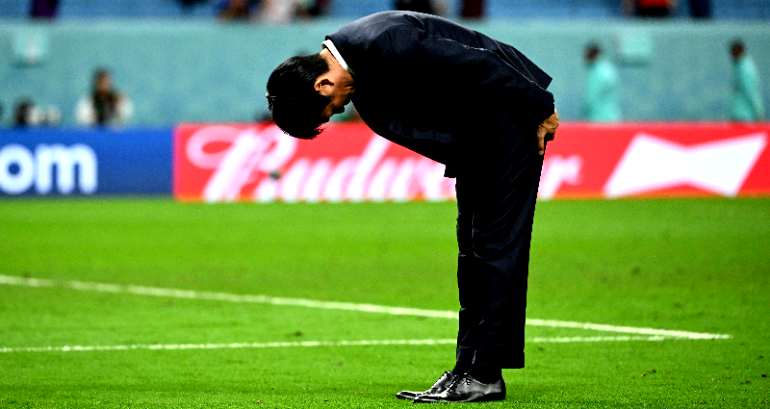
column 337, row 56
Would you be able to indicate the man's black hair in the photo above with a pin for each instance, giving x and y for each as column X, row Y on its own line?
column 294, row 103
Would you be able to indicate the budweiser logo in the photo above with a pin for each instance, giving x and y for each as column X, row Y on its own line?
column 267, row 165
column 651, row 163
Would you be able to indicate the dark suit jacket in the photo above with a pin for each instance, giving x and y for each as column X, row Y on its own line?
column 427, row 83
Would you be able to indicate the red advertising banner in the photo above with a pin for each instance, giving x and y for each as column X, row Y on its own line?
column 348, row 162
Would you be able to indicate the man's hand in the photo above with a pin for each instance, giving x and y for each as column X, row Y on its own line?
column 548, row 127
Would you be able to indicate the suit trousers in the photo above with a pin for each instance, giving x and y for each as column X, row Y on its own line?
column 496, row 196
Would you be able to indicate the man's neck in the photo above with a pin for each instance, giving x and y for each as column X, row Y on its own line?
column 342, row 76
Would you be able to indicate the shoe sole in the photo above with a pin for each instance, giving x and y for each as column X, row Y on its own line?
column 407, row 395
column 488, row 398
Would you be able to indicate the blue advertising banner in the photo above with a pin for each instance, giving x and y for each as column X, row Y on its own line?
column 56, row 162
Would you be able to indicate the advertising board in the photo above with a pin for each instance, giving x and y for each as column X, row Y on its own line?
column 348, row 162
column 62, row 162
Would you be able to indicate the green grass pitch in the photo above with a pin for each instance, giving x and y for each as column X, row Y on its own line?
column 698, row 265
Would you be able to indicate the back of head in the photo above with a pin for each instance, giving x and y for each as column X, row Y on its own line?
column 737, row 48
column 294, row 103
column 592, row 51
column 102, row 80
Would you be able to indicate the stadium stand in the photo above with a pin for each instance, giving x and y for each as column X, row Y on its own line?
column 196, row 70
column 730, row 9
column 203, row 71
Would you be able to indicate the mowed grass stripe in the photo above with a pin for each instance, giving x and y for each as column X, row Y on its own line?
column 368, row 308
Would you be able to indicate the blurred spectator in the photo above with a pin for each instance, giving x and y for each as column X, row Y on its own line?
column 24, row 114
column 313, row 8
column 700, row 8
column 649, row 8
column 187, row 5
column 238, row 10
column 105, row 105
column 422, row 6
column 278, row 11
column 52, row 116
column 270, row 11
column 601, row 101
column 746, row 103
column 472, row 9
column 44, row 8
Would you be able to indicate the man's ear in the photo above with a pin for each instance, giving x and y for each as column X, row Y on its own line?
column 322, row 82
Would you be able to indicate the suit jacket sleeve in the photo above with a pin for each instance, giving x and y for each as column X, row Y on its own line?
column 478, row 74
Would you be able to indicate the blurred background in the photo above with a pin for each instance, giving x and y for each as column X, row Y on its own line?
column 95, row 96
column 162, row 62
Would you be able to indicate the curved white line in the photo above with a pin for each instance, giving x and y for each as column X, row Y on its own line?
column 333, row 305
column 300, row 344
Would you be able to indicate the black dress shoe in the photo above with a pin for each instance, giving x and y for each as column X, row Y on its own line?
column 438, row 387
column 466, row 389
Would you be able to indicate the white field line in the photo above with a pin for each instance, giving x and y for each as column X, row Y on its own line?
column 80, row 348
column 331, row 305
column 257, row 345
